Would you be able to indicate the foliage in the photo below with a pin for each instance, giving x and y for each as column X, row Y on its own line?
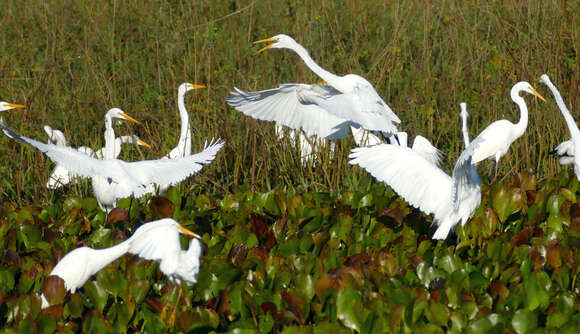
column 316, row 262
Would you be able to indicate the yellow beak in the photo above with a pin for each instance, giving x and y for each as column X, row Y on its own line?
column 195, row 86
column 187, row 232
column 127, row 117
column 537, row 94
column 271, row 39
column 14, row 106
column 143, row 143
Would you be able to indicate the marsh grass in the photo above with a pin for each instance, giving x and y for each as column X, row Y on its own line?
column 69, row 62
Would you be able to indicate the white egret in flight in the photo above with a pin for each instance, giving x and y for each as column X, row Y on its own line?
column 157, row 240
column 325, row 110
column 566, row 150
column 451, row 199
column 4, row 106
column 414, row 175
column 495, row 140
column 123, row 179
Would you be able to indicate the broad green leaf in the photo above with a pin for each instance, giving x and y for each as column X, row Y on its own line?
column 348, row 308
column 524, row 321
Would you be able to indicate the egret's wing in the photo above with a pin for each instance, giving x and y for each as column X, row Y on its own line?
column 189, row 262
column 465, row 179
column 424, row 148
column 566, row 148
column 363, row 137
column 348, row 107
column 415, row 179
column 171, row 171
column 572, row 127
column 157, row 241
column 491, row 140
column 72, row 160
column 58, row 178
column 292, row 105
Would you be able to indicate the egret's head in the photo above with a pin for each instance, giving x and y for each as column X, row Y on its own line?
column 278, row 42
column 7, row 106
column 120, row 114
column 524, row 86
column 185, row 231
column 186, row 87
column 545, row 79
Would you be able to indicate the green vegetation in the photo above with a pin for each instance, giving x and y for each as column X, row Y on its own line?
column 290, row 249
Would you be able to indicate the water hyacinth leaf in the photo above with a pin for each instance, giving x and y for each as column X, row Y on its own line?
column 341, row 229
column 349, row 308
column 524, row 321
column 75, row 305
column 118, row 215
column 96, row 294
column 46, row 324
column 100, row 238
column 507, row 201
column 95, row 323
column 54, row 290
column 6, row 281
column 537, row 288
column 527, row 180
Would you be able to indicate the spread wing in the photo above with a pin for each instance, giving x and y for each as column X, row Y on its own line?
column 415, row 179
column 172, row 171
column 294, row 106
column 158, row 241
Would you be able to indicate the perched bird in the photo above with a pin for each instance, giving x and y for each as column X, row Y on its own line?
column 495, row 140
column 566, row 150
column 451, row 199
column 324, row 110
column 4, row 106
column 122, row 179
column 157, row 240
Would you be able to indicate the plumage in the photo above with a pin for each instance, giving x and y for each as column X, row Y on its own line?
column 156, row 240
column 566, row 150
column 325, row 110
column 123, row 179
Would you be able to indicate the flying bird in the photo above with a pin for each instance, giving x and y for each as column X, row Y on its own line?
column 324, row 110
column 122, row 179
column 566, row 150
column 414, row 175
column 153, row 240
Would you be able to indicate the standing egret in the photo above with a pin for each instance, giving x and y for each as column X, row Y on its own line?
column 4, row 106
column 495, row 140
column 566, row 150
column 183, row 147
column 59, row 175
column 123, row 179
column 464, row 115
column 159, row 239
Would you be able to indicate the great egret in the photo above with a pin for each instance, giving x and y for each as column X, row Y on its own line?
column 451, row 199
column 4, row 106
column 324, row 110
column 566, row 150
column 123, row 179
column 464, row 115
column 183, row 147
column 159, row 239
column 60, row 177
column 495, row 140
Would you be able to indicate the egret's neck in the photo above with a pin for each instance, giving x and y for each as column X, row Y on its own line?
column 523, row 123
column 464, row 130
column 329, row 78
column 109, row 138
column 572, row 127
column 185, row 134
column 107, row 255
